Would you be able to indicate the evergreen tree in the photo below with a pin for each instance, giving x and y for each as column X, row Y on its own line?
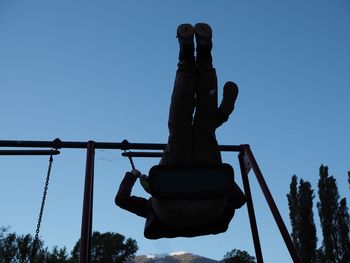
column 343, row 224
column 300, row 201
column 307, row 229
column 327, row 209
column 335, row 220
column 293, row 210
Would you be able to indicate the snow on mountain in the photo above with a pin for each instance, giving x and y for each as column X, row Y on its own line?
column 178, row 253
column 174, row 257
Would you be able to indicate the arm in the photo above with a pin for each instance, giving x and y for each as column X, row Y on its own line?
column 125, row 200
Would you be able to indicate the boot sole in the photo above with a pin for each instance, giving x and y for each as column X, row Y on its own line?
column 185, row 31
column 203, row 30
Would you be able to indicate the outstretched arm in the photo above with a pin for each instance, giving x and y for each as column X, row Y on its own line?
column 228, row 102
column 125, row 200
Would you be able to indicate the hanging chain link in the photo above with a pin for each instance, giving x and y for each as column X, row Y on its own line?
column 36, row 238
column 130, row 160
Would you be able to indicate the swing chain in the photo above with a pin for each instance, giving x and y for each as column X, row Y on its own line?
column 36, row 238
column 131, row 161
column 125, row 147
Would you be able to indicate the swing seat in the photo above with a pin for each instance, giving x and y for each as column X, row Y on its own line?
column 192, row 201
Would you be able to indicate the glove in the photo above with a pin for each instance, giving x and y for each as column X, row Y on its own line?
column 135, row 173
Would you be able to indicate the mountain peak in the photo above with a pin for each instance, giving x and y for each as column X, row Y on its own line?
column 174, row 257
column 178, row 253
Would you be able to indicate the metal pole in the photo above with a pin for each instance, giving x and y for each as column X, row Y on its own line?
column 82, row 145
column 273, row 207
column 29, row 152
column 250, row 206
column 143, row 154
column 124, row 145
column 86, row 224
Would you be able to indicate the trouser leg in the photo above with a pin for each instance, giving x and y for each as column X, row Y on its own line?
column 206, row 148
column 179, row 149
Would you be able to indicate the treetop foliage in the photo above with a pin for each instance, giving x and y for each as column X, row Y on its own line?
column 334, row 220
column 106, row 247
column 238, row 256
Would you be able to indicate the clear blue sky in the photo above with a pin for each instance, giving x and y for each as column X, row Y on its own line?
column 103, row 71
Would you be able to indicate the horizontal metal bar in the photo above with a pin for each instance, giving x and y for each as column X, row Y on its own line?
column 230, row 148
column 142, row 154
column 82, row 145
column 124, row 145
column 29, row 152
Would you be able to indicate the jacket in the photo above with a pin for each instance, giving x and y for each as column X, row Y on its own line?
column 154, row 227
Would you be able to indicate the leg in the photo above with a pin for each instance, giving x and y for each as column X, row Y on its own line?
column 179, row 147
column 206, row 149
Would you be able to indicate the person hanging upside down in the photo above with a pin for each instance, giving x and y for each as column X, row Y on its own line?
column 194, row 116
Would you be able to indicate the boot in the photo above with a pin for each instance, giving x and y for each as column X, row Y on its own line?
column 230, row 93
column 203, row 34
column 185, row 33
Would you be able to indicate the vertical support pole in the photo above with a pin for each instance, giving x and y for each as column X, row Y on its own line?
column 273, row 207
column 86, row 223
column 250, row 206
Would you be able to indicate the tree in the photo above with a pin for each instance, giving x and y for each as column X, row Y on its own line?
column 238, row 256
column 300, row 201
column 335, row 220
column 108, row 247
column 58, row 255
column 7, row 245
column 24, row 247
column 343, row 224
column 327, row 209
column 293, row 210
column 307, row 233
column 15, row 248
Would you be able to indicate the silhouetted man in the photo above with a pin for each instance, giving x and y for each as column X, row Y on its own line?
column 193, row 118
